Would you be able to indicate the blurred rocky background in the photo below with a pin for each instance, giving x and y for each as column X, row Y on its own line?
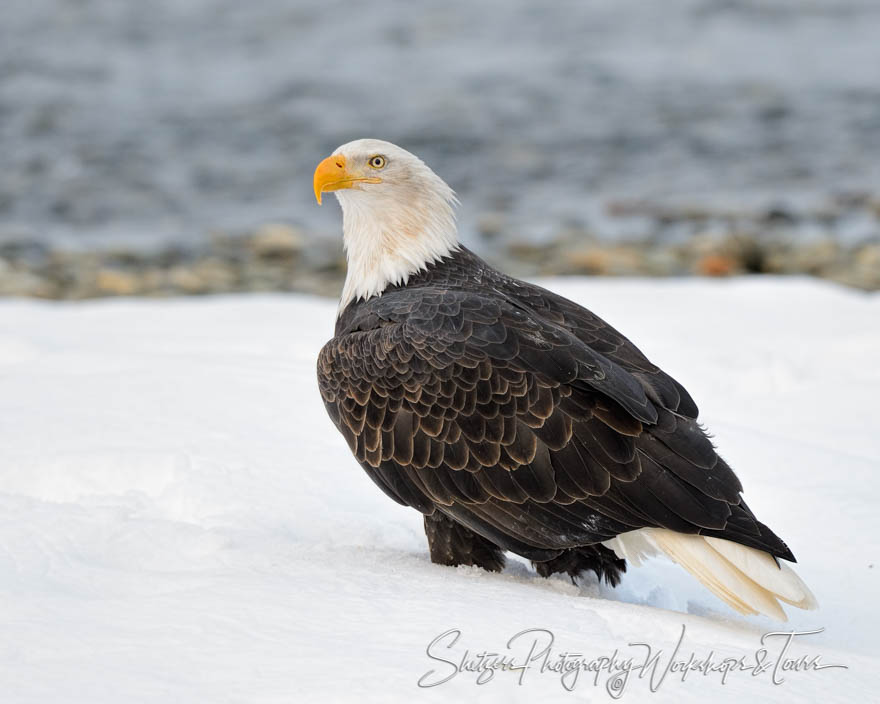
column 167, row 147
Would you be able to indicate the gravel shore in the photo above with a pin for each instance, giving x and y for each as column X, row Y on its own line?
column 282, row 257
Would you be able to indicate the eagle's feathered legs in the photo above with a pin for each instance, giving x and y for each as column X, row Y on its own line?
column 452, row 544
column 597, row 558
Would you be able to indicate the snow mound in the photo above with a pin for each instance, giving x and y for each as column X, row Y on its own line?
column 179, row 520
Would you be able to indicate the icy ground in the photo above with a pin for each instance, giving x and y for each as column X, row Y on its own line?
column 181, row 523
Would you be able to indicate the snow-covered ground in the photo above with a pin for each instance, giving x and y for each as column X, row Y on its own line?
column 181, row 522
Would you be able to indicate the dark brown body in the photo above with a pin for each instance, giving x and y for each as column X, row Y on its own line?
column 514, row 419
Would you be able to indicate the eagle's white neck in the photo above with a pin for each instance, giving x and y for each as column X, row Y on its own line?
column 389, row 236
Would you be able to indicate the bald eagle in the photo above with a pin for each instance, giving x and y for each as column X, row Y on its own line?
column 514, row 419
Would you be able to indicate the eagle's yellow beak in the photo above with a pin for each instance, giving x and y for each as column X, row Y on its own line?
column 333, row 174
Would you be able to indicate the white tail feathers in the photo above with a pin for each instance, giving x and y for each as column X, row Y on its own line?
column 747, row 579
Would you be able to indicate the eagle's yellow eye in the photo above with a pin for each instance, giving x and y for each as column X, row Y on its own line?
column 377, row 162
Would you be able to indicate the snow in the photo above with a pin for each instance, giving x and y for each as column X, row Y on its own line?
column 181, row 522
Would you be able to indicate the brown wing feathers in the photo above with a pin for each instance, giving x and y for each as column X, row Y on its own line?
column 539, row 433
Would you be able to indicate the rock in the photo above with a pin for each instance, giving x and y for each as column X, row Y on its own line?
column 18, row 282
column 275, row 259
column 530, row 252
column 591, row 261
column 663, row 262
column 153, row 281
column 750, row 253
column 114, row 282
column 716, row 265
column 216, row 274
column 619, row 260
column 866, row 266
column 124, row 258
column 185, row 280
column 814, row 258
column 626, row 260
column 704, row 243
column 276, row 241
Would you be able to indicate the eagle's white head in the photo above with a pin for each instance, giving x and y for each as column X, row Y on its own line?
column 397, row 214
